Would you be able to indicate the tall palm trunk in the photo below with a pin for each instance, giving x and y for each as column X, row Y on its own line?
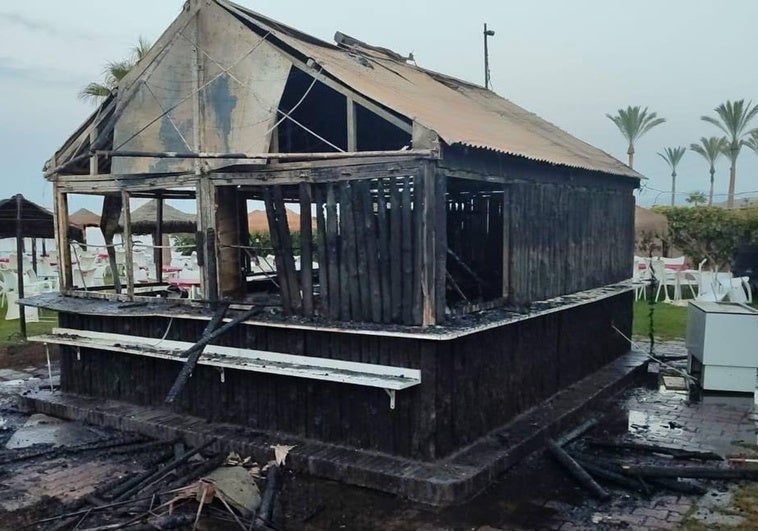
column 630, row 152
column 732, row 177
column 710, row 193
column 673, row 187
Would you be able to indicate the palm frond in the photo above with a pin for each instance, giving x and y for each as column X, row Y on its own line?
column 635, row 121
column 140, row 49
column 733, row 118
column 752, row 141
column 94, row 92
column 673, row 156
column 710, row 148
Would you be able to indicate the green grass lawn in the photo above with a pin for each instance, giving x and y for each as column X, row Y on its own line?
column 9, row 330
column 669, row 321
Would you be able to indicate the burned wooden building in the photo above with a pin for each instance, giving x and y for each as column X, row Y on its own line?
column 459, row 258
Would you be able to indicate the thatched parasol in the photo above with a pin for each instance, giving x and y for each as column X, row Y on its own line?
column 84, row 218
column 650, row 221
column 144, row 219
column 36, row 221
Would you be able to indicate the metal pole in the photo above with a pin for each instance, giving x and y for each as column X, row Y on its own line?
column 486, row 60
column 487, row 33
column 20, row 262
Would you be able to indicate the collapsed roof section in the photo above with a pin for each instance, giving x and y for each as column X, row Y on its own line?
column 240, row 62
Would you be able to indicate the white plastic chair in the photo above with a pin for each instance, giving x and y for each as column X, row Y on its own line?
column 638, row 281
column 739, row 290
column 664, row 277
column 13, row 309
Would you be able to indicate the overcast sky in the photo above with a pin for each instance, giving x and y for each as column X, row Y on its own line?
column 570, row 62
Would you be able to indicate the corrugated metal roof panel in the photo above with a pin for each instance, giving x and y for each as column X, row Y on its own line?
column 459, row 112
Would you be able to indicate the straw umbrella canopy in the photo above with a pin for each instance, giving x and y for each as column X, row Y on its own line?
column 84, row 218
column 650, row 230
column 36, row 221
column 650, row 221
column 144, row 220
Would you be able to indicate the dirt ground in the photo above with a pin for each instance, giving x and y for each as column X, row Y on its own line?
column 536, row 494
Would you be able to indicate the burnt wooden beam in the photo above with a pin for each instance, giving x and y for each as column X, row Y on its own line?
column 158, row 239
column 385, row 259
column 128, row 244
column 407, row 253
column 306, row 252
column 312, row 172
column 338, row 296
column 323, row 267
column 440, row 245
column 370, row 235
column 361, row 247
column 64, row 249
column 576, row 470
column 349, row 258
column 690, row 472
column 211, row 332
column 285, row 241
column 278, row 253
column 395, row 255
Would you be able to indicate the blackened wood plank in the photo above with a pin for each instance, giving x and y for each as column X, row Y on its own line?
column 395, row 237
column 371, row 245
column 337, row 293
column 384, row 250
column 425, row 252
column 278, row 253
column 349, row 257
column 440, row 249
column 306, row 251
column 361, row 249
column 407, row 253
column 285, row 240
column 323, row 256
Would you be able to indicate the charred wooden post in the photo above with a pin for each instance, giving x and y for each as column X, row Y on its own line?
column 158, row 251
column 64, row 250
column 20, row 261
column 109, row 225
column 128, row 244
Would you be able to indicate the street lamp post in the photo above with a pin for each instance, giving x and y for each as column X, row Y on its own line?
column 487, row 33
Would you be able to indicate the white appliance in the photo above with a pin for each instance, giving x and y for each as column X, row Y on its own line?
column 722, row 345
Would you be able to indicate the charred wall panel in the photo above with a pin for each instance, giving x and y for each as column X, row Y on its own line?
column 470, row 385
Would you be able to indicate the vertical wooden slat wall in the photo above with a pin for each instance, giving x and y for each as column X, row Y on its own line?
column 379, row 251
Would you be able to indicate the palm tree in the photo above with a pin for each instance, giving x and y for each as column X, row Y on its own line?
column 711, row 149
column 696, row 198
column 673, row 156
column 733, row 118
column 115, row 72
column 633, row 122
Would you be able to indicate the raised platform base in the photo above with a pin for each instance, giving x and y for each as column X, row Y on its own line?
column 448, row 481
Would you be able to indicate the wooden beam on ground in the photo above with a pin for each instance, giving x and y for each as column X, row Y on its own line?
column 576, row 471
